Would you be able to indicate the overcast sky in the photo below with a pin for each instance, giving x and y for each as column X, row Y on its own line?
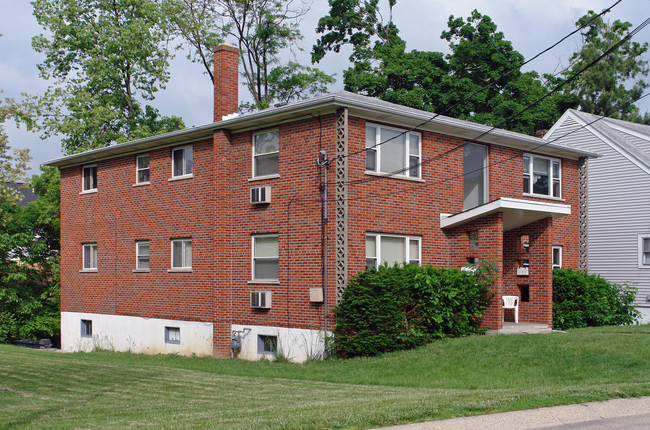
column 531, row 25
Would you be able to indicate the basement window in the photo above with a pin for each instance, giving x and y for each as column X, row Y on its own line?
column 86, row 328
column 267, row 344
column 173, row 335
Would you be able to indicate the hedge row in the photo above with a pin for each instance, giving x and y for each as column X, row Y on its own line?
column 395, row 308
column 582, row 300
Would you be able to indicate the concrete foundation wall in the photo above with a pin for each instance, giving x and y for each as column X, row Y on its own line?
column 134, row 334
column 297, row 345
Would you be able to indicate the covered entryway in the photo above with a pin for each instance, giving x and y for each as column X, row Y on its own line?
column 516, row 235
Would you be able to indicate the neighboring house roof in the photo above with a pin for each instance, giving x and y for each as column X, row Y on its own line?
column 28, row 193
column 618, row 134
column 360, row 106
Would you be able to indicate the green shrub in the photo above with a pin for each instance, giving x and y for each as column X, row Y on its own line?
column 395, row 308
column 8, row 328
column 582, row 300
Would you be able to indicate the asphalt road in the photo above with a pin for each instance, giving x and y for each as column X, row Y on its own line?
column 628, row 414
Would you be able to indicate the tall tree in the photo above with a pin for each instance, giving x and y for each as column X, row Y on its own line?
column 105, row 57
column 13, row 162
column 29, row 242
column 29, row 262
column 451, row 84
column 610, row 87
column 262, row 29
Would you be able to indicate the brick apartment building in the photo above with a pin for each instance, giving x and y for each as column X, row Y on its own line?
column 177, row 243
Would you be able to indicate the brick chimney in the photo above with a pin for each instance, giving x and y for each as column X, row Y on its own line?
column 541, row 133
column 226, row 80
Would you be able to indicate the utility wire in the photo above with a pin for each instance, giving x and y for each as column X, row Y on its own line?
column 491, row 84
column 510, row 118
column 424, row 185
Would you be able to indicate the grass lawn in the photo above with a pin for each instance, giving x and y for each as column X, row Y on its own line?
column 469, row 376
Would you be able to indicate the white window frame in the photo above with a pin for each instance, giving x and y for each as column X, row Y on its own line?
column 407, row 248
column 184, row 241
column 556, row 265
column 551, row 177
column 138, row 169
column 185, row 173
column 641, row 263
column 92, row 264
column 254, row 258
column 375, row 147
column 140, row 257
column 255, row 155
column 92, row 188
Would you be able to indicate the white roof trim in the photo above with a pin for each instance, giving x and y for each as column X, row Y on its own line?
column 612, row 144
column 361, row 106
column 513, row 208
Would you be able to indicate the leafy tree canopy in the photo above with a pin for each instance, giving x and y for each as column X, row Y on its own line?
column 261, row 29
column 611, row 87
column 105, row 58
column 452, row 84
column 29, row 262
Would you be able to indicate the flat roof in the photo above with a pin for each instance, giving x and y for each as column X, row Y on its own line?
column 516, row 213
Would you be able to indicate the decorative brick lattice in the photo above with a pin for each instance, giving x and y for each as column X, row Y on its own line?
column 582, row 213
column 341, row 202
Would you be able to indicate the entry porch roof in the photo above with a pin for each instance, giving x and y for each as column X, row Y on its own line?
column 516, row 213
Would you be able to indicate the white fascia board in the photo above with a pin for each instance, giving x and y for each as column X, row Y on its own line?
column 566, row 115
column 611, row 144
column 366, row 107
column 501, row 205
column 629, row 131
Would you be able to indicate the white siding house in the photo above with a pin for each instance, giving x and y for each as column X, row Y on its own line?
column 618, row 229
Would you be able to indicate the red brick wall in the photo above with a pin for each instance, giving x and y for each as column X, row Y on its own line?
column 116, row 217
column 213, row 209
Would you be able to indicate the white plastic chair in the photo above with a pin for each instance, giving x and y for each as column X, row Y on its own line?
column 512, row 302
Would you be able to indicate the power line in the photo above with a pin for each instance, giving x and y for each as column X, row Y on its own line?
column 510, row 118
column 604, row 11
column 426, row 184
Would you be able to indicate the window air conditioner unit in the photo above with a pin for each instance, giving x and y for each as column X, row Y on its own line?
column 522, row 271
column 260, row 195
column 261, row 299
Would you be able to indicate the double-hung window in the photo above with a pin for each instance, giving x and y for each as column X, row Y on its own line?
column 391, row 249
column 142, row 255
column 182, row 161
column 142, row 169
column 181, row 253
column 90, row 256
column 542, row 176
column 475, row 168
column 89, row 174
column 265, row 257
column 266, row 150
column 644, row 251
column 393, row 151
